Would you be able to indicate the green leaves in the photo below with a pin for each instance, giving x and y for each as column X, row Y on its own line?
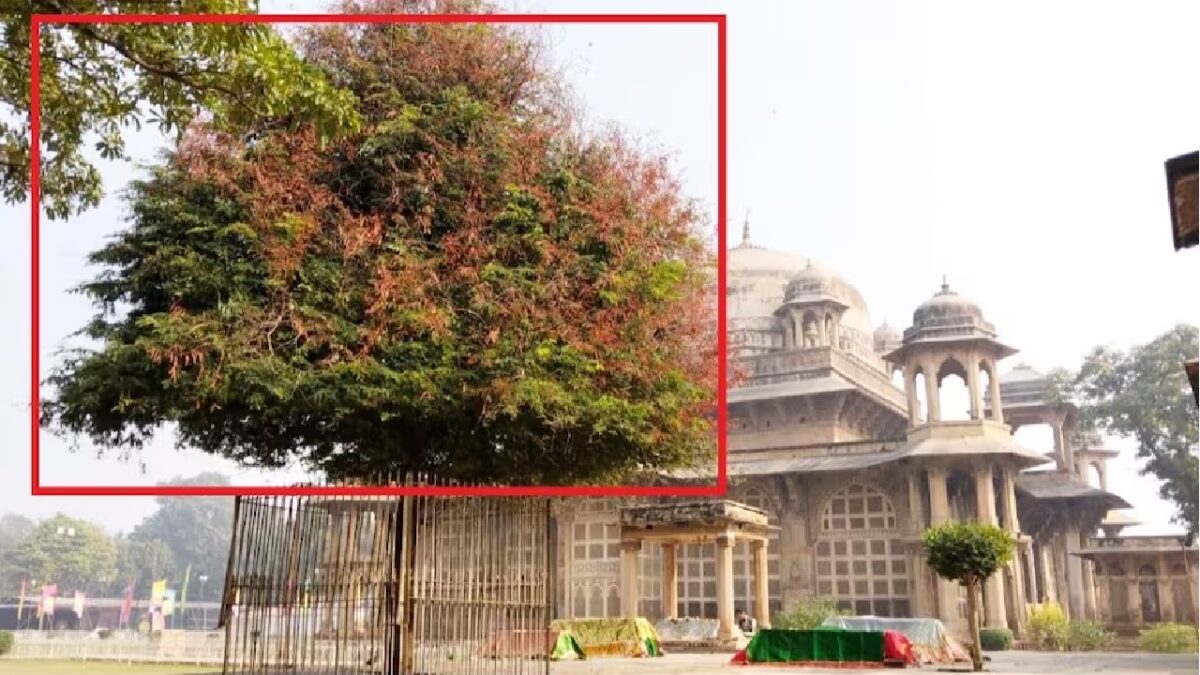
column 465, row 285
column 967, row 552
column 1143, row 393
column 96, row 81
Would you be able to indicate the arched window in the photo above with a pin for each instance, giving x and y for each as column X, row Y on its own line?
column 595, row 602
column 1148, row 589
column 861, row 562
column 921, row 413
column 613, row 608
column 954, row 400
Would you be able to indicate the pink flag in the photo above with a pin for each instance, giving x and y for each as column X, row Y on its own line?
column 127, row 605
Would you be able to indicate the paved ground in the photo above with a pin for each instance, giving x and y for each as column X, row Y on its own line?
column 1010, row 662
column 1013, row 663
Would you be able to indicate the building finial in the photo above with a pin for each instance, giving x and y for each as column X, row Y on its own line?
column 746, row 229
column 945, row 284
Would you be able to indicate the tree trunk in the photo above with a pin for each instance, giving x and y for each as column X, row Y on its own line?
column 973, row 626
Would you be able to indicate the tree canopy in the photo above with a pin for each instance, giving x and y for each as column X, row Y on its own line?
column 194, row 531
column 469, row 285
column 72, row 553
column 968, row 553
column 99, row 80
column 1143, row 393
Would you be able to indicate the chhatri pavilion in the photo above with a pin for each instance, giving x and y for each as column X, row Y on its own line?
column 842, row 450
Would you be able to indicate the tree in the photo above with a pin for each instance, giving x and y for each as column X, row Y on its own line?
column 195, row 532
column 14, row 529
column 72, row 553
column 98, row 80
column 968, row 553
column 470, row 286
column 1143, row 393
column 141, row 562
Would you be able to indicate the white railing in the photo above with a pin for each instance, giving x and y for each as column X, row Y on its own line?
column 171, row 646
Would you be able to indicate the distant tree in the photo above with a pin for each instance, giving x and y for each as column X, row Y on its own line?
column 968, row 553
column 1143, row 393
column 72, row 553
column 141, row 562
column 469, row 286
column 14, row 529
column 196, row 531
column 99, row 80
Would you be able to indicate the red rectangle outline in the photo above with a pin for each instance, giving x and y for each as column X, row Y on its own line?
column 36, row 22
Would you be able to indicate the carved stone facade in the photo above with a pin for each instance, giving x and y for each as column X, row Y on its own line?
column 850, row 466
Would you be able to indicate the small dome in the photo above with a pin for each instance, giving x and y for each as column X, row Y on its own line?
column 886, row 338
column 946, row 305
column 948, row 314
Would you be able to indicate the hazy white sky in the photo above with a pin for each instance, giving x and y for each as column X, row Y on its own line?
column 1016, row 147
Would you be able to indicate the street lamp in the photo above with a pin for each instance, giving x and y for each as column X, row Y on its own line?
column 204, row 605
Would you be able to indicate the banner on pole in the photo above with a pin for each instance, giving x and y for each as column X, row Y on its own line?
column 126, row 605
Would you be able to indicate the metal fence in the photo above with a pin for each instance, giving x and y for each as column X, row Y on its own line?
column 390, row 585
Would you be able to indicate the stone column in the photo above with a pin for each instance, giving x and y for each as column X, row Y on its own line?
column 939, row 512
column 670, row 588
column 916, row 563
column 910, row 389
column 725, row 619
column 994, row 386
column 933, row 404
column 1013, row 524
column 1134, row 600
column 976, row 401
column 1075, row 593
column 629, row 578
column 1031, row 579
column 1089, row 589
column 1166, row 594
column 762, row 594
column 993, row 589
column 1103, row 605
column 822, row 334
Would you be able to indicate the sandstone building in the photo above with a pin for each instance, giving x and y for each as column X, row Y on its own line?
column 838, row 432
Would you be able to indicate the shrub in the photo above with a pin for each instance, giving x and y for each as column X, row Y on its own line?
column 104, row 633
column 1088, row 636
column 6, row 642
column 1168, row 638
column 995, row 639
column 806, row 614
column 1048, row 627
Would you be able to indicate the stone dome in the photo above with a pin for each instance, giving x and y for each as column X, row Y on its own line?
column 758, row 281
column 948, row 314
column 886, row 338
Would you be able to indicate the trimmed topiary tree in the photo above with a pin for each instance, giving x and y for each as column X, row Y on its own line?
column 6, row 642
column 968, row 553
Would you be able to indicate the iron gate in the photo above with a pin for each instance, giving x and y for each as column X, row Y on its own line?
column 388, row 585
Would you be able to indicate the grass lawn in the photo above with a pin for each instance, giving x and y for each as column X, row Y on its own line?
column 40, row 667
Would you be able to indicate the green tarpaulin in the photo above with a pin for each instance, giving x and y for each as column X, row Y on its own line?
column 771, row 645
column 612, row 637
column 566, row 648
